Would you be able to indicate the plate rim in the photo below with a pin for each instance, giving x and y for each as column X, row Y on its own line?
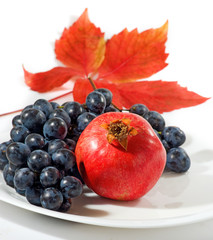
column 132, row 224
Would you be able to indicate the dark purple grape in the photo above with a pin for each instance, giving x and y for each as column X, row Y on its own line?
column 8, row 175
column 110, row 108
column 74, row 133
column 38, row 160
column 44, row 106
column 107, row 94
column 20, row 191
column 174, row 136
column 33, row 194
column 16, row 121
column 35, row 141
column 24, row 178
column 33, row 119
column 65, row 205
column 165, row 144
column 55, row 128
column 71, row 187
column 178, row 160
column 84, row 119
column 17, row 153
column 55, row 105
column 49, row 176
column 61, row 113
column 19, row 133
column 3, row 157
column 75, row 173
column 56, row 144
column 156, row 120
column 64, row 159
column 28, row 107
column 139, row 109
column 96, row 102
column 71, row 144
column 74, row 109
column 51, row 198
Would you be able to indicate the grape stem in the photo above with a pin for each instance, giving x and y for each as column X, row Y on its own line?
column 94, row 88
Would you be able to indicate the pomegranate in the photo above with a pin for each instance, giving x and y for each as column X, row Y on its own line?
column 119, row 156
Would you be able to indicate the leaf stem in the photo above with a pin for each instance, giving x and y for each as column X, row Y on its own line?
column 51, row 100
column 92, row 83
column 12, row 112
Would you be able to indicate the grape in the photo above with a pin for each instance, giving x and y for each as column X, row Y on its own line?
column 56, row 144
column 3, row 162
column 33, row 194
column 177, row 160
column 165, row 144
column 33, row 119
column 64, row 159
column 74, row 133
column 51, row 198
column 3, row 157
column 74, row 109
column 156, row 120
column 8, row 175
column 24, row 178
column 49, row 176
column 44, row 106
column 17, row 153
column 157, row 133
column 174, row 136
column 19, row 133
column 84, row 119
column 61, row 113
column 110, row 108
column 28, row 107
column 16, row 121
column 75, row 173
column 55, row 105
column 55, row 128
column 65, row 205
column 38, row 160
column 34, row 141
column 70, row 143
column 71, row 187
column 96, row 102
column 107, row 94
column 20, row 191
column 139, row 109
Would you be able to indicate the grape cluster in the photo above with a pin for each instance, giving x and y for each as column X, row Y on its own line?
column 39, row 159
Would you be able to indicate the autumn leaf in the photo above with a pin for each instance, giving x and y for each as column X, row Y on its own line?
column 158, row 96
column 115, row 64
column 82, row 46
column 46, row 81
column 132, row 55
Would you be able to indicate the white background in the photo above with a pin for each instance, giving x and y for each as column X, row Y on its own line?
column 28, row 30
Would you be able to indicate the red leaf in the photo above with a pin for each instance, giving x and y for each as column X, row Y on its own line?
column 82, row 46
column 132, row 55
column 125, row 58
column 158, row 96
column 46, row 81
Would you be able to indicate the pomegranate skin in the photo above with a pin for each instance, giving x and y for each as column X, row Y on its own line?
column 111, row 171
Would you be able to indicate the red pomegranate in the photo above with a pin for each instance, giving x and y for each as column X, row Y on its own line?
column 119, row 156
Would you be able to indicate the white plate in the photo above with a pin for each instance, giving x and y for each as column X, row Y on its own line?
column 176, row 199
